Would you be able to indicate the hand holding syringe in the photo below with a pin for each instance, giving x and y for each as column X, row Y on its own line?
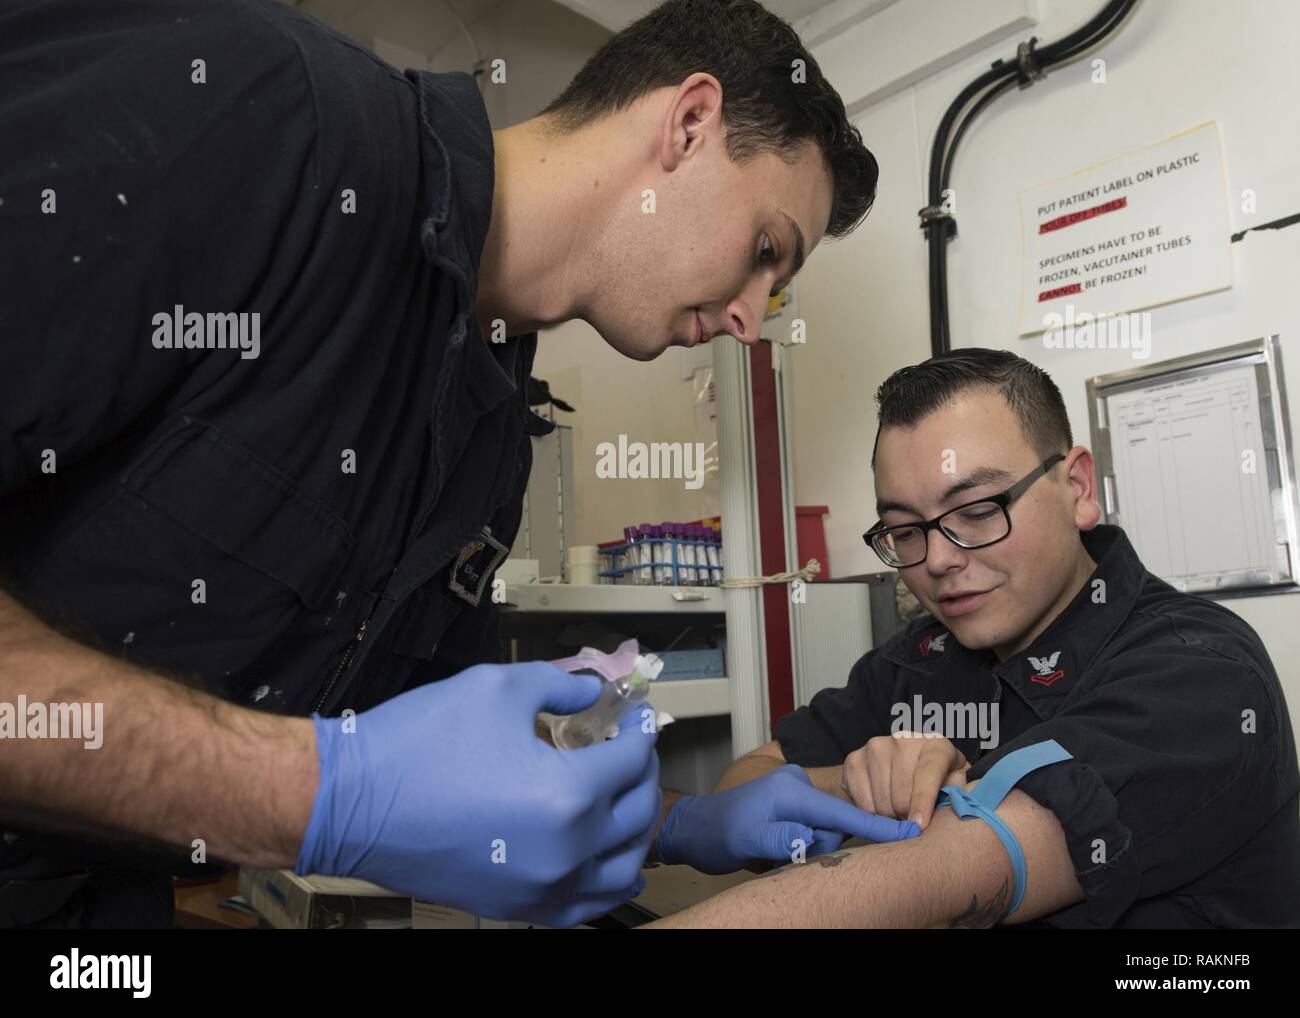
column 599, row 721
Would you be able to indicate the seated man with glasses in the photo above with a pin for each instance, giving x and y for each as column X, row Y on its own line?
column 1142, row 768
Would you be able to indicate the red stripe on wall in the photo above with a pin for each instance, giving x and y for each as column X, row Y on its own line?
column 1060, row 291
column 1060, row 222
column 771, row 532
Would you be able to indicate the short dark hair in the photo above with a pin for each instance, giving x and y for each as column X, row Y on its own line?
column 915, row 392
column 752, row 53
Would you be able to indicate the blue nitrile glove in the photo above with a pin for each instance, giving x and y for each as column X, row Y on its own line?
column 447, row 794
column 762, row 819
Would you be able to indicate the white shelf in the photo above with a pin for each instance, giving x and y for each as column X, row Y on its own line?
column 691, row 698
column 682, row 698
column 562, row 598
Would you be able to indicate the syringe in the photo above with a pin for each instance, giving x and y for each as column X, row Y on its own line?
column 600, row 721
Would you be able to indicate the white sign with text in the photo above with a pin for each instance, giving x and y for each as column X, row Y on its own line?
column 1139, row 230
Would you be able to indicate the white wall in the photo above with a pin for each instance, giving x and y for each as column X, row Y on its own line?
column 543, row 45
column 648, row 402
column 1170, row 67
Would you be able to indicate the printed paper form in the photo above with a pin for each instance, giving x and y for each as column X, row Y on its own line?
column 1191, row 479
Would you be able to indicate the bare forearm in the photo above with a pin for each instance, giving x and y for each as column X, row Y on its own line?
column 956, row 874
column 173, row 764
column 900, row 884
column 753, row 766
column 747, row 768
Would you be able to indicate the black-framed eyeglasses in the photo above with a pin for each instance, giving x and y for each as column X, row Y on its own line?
column 973, row 525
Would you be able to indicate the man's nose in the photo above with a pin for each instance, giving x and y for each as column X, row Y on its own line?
column 745, row 314
column 941, row 554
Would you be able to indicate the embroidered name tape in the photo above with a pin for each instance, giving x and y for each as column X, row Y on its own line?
column 475, row 565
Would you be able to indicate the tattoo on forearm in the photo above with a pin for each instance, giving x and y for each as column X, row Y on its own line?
column 824, row 861
column 979, row 917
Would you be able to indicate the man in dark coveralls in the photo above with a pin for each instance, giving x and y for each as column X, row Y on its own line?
column 269, row 307
column 1162, row 786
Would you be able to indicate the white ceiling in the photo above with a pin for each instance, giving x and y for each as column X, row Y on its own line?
column 421, row 25
column 424, row 26
column 617, row 14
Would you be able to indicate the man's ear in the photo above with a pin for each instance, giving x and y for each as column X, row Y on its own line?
column 694, row 111
column 1081, row 472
